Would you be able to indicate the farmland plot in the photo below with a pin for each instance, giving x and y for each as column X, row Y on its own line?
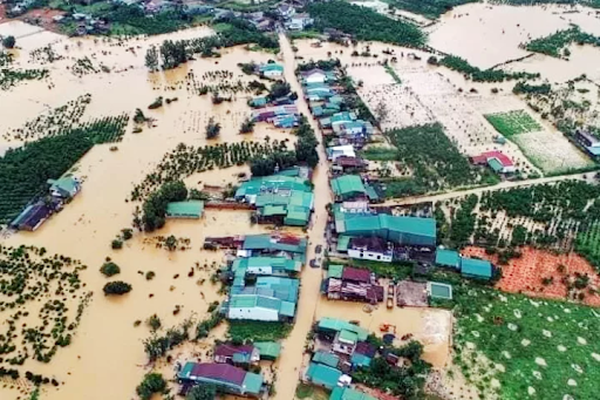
column 513, row 123
column 518, row 348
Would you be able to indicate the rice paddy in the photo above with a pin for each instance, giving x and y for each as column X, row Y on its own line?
column 513, row 123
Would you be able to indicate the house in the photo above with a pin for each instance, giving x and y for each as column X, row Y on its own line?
column 271, row 70
column 326, row 358
column 274, row 266
column 323, row 375
column 347, row 290
column 238, row 355
column 299, row 22
column 588, row 141
column 345, row 335
column 65, row 187
column 348, row 187
column 346, row 393
column 257, row 102
column 314, row 75
column 371, row 248
column 259, row 308
column 477, row 269
column 185, row 209
column 286, row 11
column 268, row 350
column 447, row 258
column 226, row 378
column 31, row 217
column 364, row 352
column 340, row 151
column 498, row 161
column 275, row 244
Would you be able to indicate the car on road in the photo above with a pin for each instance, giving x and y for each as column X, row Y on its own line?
column 314, row 263
column 318, row 249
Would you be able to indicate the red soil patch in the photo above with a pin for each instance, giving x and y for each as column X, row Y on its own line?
column 42, row 17
column 525, row 274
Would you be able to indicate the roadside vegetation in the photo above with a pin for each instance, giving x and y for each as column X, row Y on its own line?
column 365, row 24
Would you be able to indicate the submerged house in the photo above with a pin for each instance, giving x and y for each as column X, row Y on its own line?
column 65, row 187
column 185, row 209
column 237, row 355
column 32, row 217
column 269, row 299
column 226, row 378
column 345, row 335
column 271, row 70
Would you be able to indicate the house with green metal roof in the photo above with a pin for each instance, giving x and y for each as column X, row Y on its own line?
column 185, row 209
column 477, row 269
column 323, row 375
column 413, row 231
column 447, row 258
column 278, row 266
column 255, row 307
column 326, row 358
column 65, row 187
column 256, row 102
column 273, row 244
column 271, row 70
column 345, row 334
column 360, row 360
column 335, row 271
column 346, row 393
column 348, row 187
column 268, row 350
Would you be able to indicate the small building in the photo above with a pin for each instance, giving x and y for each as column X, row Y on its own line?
column 345, row 335
column 314, row 75
column 447, row 258
column 286, row 11
column 238, row 355
column 356, row 275
column 256, row 102
column 32, row 217
column 371, row 248
column 271, row 70
column 226, row 378
column 274, row 266
column 346, row 393
column 268, row 350
column 185, row 209
column 477, row 269
column 348, row 187
column 588, row 141
column 255, row 307
column 333, row 153
column 344, row 164
column 299, row 22
column 275, row 244
column 326, row 358
column 65, row 187
column 496, row 160
column 323, row 375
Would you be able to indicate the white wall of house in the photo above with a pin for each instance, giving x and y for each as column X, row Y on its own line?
column 253, row 313
column 273, row 74
column 315, row 78
column 369, row 255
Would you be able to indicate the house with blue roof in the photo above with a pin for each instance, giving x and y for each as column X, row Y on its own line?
column 271, row 70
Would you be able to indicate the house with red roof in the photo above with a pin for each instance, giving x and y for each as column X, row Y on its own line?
column 497, row 161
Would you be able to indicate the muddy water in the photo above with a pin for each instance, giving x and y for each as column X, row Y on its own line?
column 106, row 358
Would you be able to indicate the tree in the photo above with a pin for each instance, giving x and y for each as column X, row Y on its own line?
column 381, row 111
column 116, row 288
column 9, row 42
column 171, row 243
column 139, row 116
column 213, row 129
column 109, row 269
column 202, row 392
column 247, row 126
column 279, row 89
column 152, row 383
column 116, row 244
column 152, row 58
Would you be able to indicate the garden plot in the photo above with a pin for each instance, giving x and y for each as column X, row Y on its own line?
column 513, row 123
column 402, row 106
column 548, row 149
column 532, row 349
column 463, row 122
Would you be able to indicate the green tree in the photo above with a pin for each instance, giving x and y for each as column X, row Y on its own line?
column 247, row 126
column 109, row 269
column 116, row 288
column 213, row 129
column 171, row 243
column 152, row 383
column 9, row 42
column 202, row 392
column 152, row 58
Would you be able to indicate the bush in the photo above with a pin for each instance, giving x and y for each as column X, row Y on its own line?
column 116, row 244
column 116, row 288
column 153, row 383
column 127, row 233
column 213, row 129
column 202, row 392
column 109, row 269
column 9, row 42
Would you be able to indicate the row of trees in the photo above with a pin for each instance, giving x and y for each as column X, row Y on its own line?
column 478, row 75
column 554, row 45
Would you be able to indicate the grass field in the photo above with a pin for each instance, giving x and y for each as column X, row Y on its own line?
column 513, row 123
column 532, row 349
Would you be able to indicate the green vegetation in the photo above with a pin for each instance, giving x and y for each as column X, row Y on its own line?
column 541, row 344
column 478, row 75
column 8, row 42
column 513, row 123
column 204, row 327
column 555, row 45
column 365, row 24
column 153, row 383
column 158, row 346
column 241, row 331
column 588, row 244
column 393, row 74
column 428, row 8
column 393, row 270
column 524, row 88
column 116, row 288
column 202, row 392
column 213, row 129
column 28, row 275
column 430, row 160
column 109, row 269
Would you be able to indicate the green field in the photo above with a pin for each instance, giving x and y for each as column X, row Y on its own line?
column 513, row 123
column 588, row 243
column 550, row 349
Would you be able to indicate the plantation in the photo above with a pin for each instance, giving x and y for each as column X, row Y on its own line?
column 555, row 45
column 428, row 8
column 365, row 24
column 543, row 348
column 476, row 74
column 186, row 160
column 431, row 162
column 513, row 123
column 29, row 274
column 588, row 243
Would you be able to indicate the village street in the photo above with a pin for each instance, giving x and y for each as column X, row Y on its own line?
column 290, row 367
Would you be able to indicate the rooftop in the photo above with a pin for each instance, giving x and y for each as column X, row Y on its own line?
column 448, row 258
column 346, row 393
column 268, row 349
column 338, row 325
column 323, row 375
column 189, row 209
column 476, row 268
column 348, row 185
column 326, row 358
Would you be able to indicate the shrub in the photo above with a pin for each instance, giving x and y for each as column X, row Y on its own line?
column 152, row 383
column 154, row 323
column 116, row 244
column 116, row 288
column 109, row 269
column 202, row 392
column 9, row 42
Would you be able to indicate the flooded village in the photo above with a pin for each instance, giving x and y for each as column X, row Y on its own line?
column 299, row 200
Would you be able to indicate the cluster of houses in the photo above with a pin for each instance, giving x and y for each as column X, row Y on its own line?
column 283, row 199
column 228, row 371
column 60, row 191
column 263, row 279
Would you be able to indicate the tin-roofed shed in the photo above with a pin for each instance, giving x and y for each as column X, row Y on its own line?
column 348, row 186
column 447, row 258
column 478, row 269
column 185, row 209
column 346, row 393
column 323, row 375
column 268, row 350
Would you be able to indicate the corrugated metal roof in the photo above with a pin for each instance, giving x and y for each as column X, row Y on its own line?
column 360, row 360
column 348, row 185
column 323, row 375
column 190, row 208
column 326, row 358
column 338, row 325
column 348, row 336
column 287, row 309
column 252, row 383
column 268, row 349
column 476, row 268
column 343, row 243
column 335, row 271
column 449, row 258
column 346, row 393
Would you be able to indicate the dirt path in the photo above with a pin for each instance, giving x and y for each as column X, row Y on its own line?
column 504, row 185
column 290, row 365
